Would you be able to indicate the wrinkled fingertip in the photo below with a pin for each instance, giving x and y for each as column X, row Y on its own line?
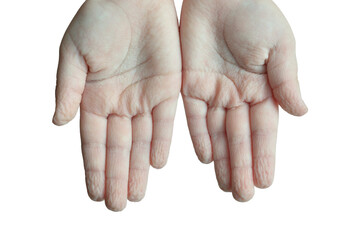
column 204, row 155
column 95, row 198
column 225, row 187
column 136, row 197
column 158, row 164
column 263, row 184
column 297, row 109
column 158, row 161
column 303, row 109
column 95, row 182
column 205, row 160
column 58, row 121
column 159, row 153
column 115, row 207
column 244, row 197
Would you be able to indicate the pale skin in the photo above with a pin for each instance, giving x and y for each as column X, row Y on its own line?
column 120, row 62
column 239, row 63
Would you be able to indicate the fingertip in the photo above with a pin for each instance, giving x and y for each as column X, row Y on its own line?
column 303, row 109
column 63, row 115
column 247, row 196
column 137, row 184
column 263, row 182
column 95, row 182
column 159, row 153
column 205, row 159
column 136, row 197
column 115, row 207
column 297, row 110
column 242, row 184
column 291, row 102
column 158, row 164
column 202, row 147
column 95, row 197
column 226, row 187
column 116, row 195
column 263, row 179
column 223, row 174
column 263, row 185
column 289, row 98
column 56, row 120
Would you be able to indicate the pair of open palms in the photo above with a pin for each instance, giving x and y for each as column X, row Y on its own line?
column 124, row 63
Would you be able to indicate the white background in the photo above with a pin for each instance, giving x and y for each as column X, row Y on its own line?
column 42, row 187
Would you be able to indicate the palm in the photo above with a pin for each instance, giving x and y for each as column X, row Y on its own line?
column 238, row 62
column 121, row 62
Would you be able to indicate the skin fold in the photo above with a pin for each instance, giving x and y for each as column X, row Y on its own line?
column 239, row 64
column 120, row 62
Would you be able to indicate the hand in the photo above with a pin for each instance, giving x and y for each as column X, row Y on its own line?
column 239, row 63
column 120, row 61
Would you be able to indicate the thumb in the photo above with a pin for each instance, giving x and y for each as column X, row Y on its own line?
column 282, row 75
column 71, row 77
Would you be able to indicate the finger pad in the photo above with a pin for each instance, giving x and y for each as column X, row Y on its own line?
column 96, row 185
column 264, row 171
column 202, row 147
column 222, row 171
column 159, row 153
column 137, row 185
column 116, row 195
column 243, row 188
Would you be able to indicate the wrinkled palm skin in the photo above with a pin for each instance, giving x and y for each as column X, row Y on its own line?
column 120, row 61
column 239, row 63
